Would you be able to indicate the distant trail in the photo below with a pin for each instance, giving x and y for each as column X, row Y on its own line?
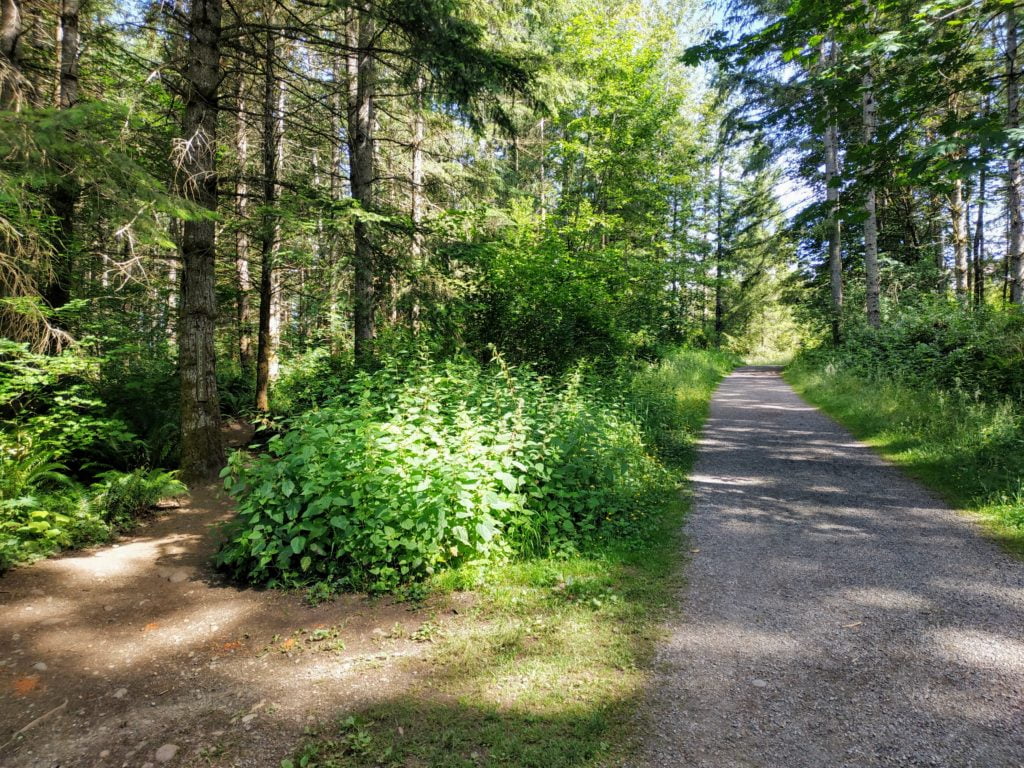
column 835, row 613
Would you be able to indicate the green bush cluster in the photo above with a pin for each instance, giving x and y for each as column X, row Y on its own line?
column 939, row 391
column 42, row 509
column 424, row 466
column 70, row 472
column 942, row 345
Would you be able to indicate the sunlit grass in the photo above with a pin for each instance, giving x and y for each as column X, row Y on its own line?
column 966, row 449
column 548, row 660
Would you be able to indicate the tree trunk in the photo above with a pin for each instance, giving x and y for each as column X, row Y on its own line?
column 978, row 255
column 719, row 255
column 873, row 286
column 64, row 194
column 835, row 245
column 202, row 448
column 416, row 206
column 244, row 305
column 362, row 75
column 1015, row 255
column 11, row 31
column 269, row 328
column 959, row 230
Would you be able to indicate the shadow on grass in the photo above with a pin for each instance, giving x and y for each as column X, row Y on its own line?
column 417, row 731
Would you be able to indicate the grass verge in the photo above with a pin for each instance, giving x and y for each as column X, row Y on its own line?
column 966, row 449
column 548, row 659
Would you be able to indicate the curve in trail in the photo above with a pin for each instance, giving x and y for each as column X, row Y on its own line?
column 836, row 613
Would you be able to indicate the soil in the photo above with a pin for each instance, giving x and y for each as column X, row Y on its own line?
column 140, row 653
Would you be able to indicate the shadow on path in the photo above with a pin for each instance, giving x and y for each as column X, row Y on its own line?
column 836, row 614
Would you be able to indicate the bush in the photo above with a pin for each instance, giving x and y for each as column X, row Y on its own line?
column 43, row 509
column 122, row 497
column 428, row 466
column 938, row 344
column 309, row 379
column 49, row 405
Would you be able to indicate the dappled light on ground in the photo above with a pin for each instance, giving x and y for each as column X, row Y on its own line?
column 837, row 613
column 149, row 647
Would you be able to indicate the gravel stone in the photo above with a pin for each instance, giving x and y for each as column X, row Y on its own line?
column 891, row 630
column 166, row 753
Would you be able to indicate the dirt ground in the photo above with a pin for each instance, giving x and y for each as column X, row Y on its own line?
column 138, row 654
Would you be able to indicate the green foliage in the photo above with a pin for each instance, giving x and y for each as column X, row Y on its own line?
column 938, row 345
column 309, row 379
column 43, row 509
column 49, row 405
column 547, row 663
column 426, row 466
column 122, row 497
column 668, row 398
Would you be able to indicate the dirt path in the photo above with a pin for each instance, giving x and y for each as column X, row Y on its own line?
column 161, row 663
column 836, row 613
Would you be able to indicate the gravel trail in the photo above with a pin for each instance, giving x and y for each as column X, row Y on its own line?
column 836, row 613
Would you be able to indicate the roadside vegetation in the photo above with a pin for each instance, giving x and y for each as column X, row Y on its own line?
column 940, row 391
column 547, row 661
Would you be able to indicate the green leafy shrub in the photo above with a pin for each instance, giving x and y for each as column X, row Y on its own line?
column 669, row 398
column 423, row 466
column 122, row 497
column 49, row 405
column 309, row 379
column 43, row 509
column 938, row 344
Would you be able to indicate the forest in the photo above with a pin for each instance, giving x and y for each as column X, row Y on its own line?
column 431, row 296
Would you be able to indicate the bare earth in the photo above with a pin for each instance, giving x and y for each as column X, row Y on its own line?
column 160, row 663
column 836, row 613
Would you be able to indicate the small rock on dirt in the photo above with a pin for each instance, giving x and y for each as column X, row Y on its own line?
column 166, row 753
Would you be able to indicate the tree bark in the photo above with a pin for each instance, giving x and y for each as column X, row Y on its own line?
column 11, row 30
column 362, row 74
column 244, row 304
column 269, row 327
column 871, row 272
column 1015, row 255
column 959, row 230
column 64, row 194
column 202, row 448
column 416, row 205
column 834, row 225
column 978, row 250
column 719, row 257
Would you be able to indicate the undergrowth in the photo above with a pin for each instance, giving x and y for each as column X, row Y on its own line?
column 548, row 658
column 71, row 474
column 419, row 468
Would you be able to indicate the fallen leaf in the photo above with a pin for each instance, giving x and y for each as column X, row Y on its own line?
column 288, row 644
column 151, row 626
column 25, row 685
column 232, row 646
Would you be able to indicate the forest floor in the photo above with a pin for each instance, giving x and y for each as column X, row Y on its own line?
column 138, row 653
column 836, row 613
